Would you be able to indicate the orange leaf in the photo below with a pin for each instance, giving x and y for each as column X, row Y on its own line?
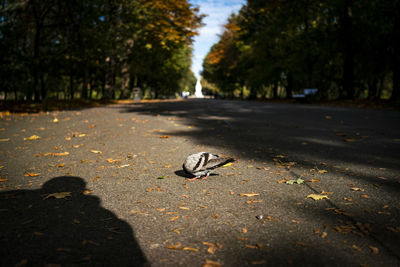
column 164, row 136
column 176, row 246
column 173, row 218
column 32, row 174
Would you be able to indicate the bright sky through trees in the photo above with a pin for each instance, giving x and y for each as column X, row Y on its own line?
column 217, row 12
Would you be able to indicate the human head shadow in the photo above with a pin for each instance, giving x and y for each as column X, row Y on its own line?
column 37, row 228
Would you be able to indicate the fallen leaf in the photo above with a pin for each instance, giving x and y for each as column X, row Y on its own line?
column 350, row 140
column 324, row 234
column 161, row 177
column 55, row 120
column 357, row 189
column 322, row 171
column 30, row 174
column 328, row 117
column 3, row 179
column 211, row 247
column 252, row 194
column 56, row 154
column 191, row 249
column 60, row 165
column 173, row 218
column 4, row 139
column 135, row 211
column 315, row 180
column 262, row 262
column 184, row 208
column 228, row 164
column 210, row 263
column 87, row 192
column 317, row 197
column 250, row 246
column 92, row 125
column 374, row 250
column 356, row 247
column 253, row 201
column 164, row 136
column 178, row 230
column 33, row 137
column 244, row 230
column 298, row 181
column 364, row 196
column 58, row 195
column 282, row 181
column 96, row 151
column 163, row 209
column 215, row 216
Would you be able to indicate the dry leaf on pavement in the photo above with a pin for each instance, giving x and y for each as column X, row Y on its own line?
column 33, row 137
column 317, row 197
column 58, row 195
column 252, row 194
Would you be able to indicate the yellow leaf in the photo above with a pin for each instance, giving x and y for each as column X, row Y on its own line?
column 244, row 230
column 228, row 164
column 96, row 151
column 252, row 194
column 33, row 137
column 322, row 171
column 5, row 140
column 317, row 197
column 178, row 230
column 55, row 120
column 357, row 189
column 184, row 208
column 58, row 195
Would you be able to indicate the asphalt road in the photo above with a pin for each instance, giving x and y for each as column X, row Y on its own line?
column 128, row 204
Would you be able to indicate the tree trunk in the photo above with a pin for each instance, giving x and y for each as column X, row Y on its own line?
column 71, row 86
column 348, row 51
column 396, row 57
column 289, row 87
column 275, row 91
column 373, row 89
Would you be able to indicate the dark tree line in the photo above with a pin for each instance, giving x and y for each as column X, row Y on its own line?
column 95, row 48
column 347, row 49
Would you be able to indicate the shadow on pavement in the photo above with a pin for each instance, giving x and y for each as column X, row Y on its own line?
column 37, row 229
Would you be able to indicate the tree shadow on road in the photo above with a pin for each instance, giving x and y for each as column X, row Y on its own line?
column 38, row 229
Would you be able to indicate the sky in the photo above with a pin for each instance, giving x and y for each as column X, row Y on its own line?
column 217, row 12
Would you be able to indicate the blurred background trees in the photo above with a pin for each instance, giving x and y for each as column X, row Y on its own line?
column 348, row 49
column 95, row 48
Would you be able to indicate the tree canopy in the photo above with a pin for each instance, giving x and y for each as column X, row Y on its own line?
column 95, row 48
column 346, row 48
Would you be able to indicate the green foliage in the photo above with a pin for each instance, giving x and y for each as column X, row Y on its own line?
column 95, row 48
column 346, row 49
